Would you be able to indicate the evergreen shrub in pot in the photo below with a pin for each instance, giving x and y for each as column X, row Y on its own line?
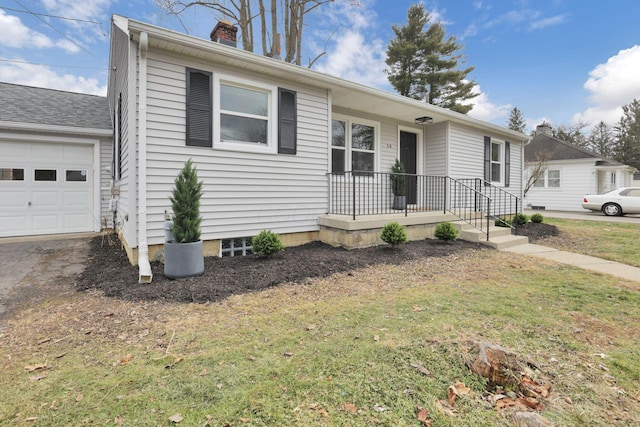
column 399, row 185
column 184, row 256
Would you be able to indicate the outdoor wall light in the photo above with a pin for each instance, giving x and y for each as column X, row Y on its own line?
column 424, row 120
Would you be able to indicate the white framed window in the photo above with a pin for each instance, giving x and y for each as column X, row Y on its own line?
column 497, row 158
column 11, row 174
column 549, row 179
column 354, row 144
column 244, row 115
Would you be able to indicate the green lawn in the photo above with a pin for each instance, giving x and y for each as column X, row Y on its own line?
column 608, row 240
column 335, row 352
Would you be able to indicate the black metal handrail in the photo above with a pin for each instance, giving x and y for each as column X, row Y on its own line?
column 505, row 204
column 357, row 193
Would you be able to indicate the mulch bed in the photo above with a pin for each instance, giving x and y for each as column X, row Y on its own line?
column 109, row 270
column 538, row 231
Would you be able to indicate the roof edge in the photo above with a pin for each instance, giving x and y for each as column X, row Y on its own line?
column 41, row 128
column 323, row 79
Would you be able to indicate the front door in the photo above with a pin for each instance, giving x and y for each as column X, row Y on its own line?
column 408, row 157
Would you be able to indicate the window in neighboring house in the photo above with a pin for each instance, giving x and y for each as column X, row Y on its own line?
column 553, row 178
column 45, row 175
column 613, row 179
column 76, row 175
column 496, row 162
column 11, row 174
column 539, row 183
column 359, row 155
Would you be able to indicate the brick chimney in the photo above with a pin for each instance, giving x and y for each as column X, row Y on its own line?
column 224, row 33
column 544, row 129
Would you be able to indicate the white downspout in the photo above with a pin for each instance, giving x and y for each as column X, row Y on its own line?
column 144, row 267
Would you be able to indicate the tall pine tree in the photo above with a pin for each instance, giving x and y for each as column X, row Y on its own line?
column 516, row 120
column 423, row 64
column 627, row 149
column 601, row 140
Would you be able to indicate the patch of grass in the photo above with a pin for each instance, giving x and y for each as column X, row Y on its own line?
column 335, row 352
column 608, row 240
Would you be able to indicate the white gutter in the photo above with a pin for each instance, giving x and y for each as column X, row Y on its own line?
column 144, row 267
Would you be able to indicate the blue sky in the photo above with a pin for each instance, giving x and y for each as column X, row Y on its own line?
column 556, row 60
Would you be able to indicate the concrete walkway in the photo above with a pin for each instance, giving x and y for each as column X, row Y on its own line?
column 599, row 265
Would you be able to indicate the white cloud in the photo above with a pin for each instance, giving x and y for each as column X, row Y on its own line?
column 42, row 76
column 612, row 85
column 88, row 10
column 357, row 59
column 15, row 34
column 547, row 22
column 484, row 109
column 353, row 51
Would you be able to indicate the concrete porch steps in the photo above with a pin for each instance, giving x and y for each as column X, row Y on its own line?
column 499, row 237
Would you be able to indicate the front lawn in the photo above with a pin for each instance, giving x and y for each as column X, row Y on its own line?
column 608, row 240
column 339, row 350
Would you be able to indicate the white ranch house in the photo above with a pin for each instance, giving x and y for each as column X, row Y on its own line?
column 570, row 173
column 277, row 146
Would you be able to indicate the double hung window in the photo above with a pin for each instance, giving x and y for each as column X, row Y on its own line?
column 232, row 113
column 353, row 145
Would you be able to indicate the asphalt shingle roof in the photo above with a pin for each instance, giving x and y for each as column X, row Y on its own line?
column 556, row 149
column 26, row 104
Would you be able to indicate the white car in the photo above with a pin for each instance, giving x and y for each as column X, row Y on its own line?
column 625, row 200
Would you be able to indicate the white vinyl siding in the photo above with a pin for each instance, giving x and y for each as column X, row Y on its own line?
column 576, row 180
column 435, row 162
column 243, row 192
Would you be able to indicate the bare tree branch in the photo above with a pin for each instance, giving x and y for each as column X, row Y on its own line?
column 536, row 172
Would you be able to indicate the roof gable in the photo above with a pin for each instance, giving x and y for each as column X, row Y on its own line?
column 34, row 105
column 556, row 149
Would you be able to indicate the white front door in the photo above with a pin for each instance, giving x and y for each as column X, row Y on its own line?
column 45, row 188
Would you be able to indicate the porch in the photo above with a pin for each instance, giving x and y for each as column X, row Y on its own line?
column 361, row 203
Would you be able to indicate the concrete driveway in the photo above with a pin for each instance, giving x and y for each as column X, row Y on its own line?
column 31, row 268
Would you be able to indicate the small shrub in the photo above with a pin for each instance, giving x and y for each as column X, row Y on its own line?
column 266, row 243
column 393, row 233
column 520, row 219
column 537, row 218
column 446, row 231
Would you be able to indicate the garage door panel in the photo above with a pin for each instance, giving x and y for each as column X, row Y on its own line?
column 46, row 188
column 75, row 199
column 17, row 224
column 15, row 151
column 76, row 221
column 45, row 199
column 45, row 223
column 12, row 200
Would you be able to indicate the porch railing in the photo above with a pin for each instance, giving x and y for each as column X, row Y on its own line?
column 358, row 193
column 504, row 205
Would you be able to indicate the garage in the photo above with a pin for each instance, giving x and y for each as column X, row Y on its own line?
column 46, row 188
column 55, row 158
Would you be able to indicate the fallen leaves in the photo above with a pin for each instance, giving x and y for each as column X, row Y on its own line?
column 423, row 416
column 455, row 390
column 418, row 366
column 33, row 368
column 349, row 407
column 176, row 419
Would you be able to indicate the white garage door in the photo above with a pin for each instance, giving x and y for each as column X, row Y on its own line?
column 45, row 188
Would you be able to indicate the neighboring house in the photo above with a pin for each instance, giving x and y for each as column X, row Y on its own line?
column 270, row 140
column 54, row 150
column 570, row 173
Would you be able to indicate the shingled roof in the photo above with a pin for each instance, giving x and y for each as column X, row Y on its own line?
column 557, row 149
column 26, row 104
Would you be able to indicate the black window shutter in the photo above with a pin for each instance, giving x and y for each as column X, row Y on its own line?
column 487, row 158
column 199, row 108
column 507, row 163
column 287, row 122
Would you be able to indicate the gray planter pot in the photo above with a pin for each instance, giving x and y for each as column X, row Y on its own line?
column 399, row 202
column 183, row 259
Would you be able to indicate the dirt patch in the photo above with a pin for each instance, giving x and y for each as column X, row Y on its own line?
column 108, row 270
